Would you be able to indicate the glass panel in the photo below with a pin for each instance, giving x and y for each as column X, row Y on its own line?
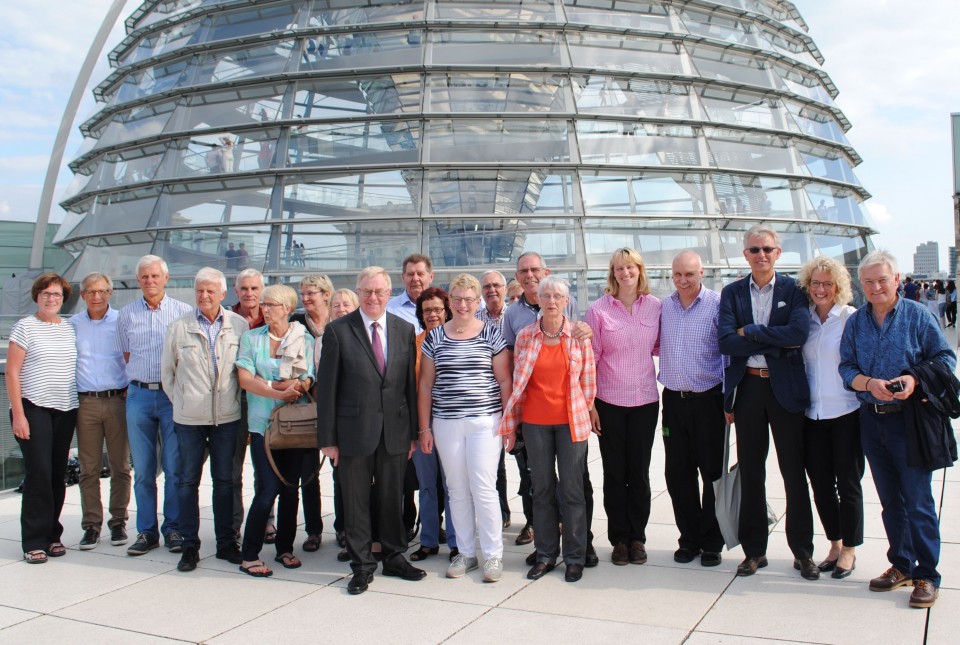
column 827, row 163
column 463, row 92
column 349, row 246
column 496, row 47
column 328, row 13
column 228, row 107
column 500, row 192
column 350, row 97
column 635, row 97
column 836, row 204
column 250, row 21
column 817, row 123
column 631, row 14
column 739, row 150
column 136, row 123
column 167, row 9
column 642, row 144
column 627, row 53
column 393, row 193
column 152, row 80
column 188, row 250
column 128, row 211
column 500, row 10
column 498, row 140
column 336, row 144
column 472, row 242
column 658, row 241
column 250, row 62
column 803, row 84
column 369, row 49
column 761, row 196
column 168, row 39
column 846, row 249
column 131, row 166
column 741, row 107
column 215, row 207
column 787, row 45
column 116, row 257
column 719, row 26
column 729, row 65
column 646, row 193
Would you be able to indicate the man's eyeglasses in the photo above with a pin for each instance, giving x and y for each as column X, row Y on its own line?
column 754, row 250
column 380, row 293
column 101, row 293
column 493, row 285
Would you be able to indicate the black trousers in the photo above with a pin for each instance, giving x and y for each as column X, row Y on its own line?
column 626, row 441
column 310, row 493
column 356, row 475
column 834, row 461
column 44, row 465
column 756, row 409
column 693, row 432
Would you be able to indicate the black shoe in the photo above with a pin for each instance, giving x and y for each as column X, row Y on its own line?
column 710, row 559
column 539, row 570
column 454, row 552
column 591, row 559
column 532, row 559
column 359, row 583
column 118, row 535
column 525, row 536
column 683, row 555
column 143, row 543
column 230, row 553
column 828, row 565
column 190, row 558
column 424, row 552
column 174, row 541
column 341, row 539
column 442, row 539
column 91, row 538
column 750, row 565
column 807, row 568
column 637, row 552
column 343, row 556
column 404, row 570
column 574, row 572
column 839, row 573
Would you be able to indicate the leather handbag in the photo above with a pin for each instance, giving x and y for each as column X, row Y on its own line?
column 292, row 425
column 727, row 493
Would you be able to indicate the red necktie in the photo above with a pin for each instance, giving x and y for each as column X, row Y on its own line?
column 377, row 347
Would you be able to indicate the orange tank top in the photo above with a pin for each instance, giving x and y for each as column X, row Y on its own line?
column 546, row 402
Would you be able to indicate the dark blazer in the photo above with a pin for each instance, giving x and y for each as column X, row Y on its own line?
column 355, row 404
column 781, row 340
column 931, row 443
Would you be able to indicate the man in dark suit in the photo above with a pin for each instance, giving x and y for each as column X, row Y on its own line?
column 763, row 324
column 367, row 423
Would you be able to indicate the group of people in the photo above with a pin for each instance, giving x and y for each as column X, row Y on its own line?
column 939, row 297
column 450, row 380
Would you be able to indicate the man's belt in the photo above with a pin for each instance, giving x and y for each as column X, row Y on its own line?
column 147, row 386
column 689, row 394
column 104, row 394
column 884, row 408
column 762, row 372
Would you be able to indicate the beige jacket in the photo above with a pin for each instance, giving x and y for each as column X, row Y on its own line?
column 186, row 370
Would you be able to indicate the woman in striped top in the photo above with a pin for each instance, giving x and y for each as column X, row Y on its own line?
column 42, row 384
column 464, row 381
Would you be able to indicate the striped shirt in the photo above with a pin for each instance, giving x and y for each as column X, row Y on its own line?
column 211, row 330
column 761, row 299
column 495, row 321
column 99, row 365
column 624, row 344
column 690, row 358
column 48, row 377
column 465, row 385
column 583, row 379
column 140, row 331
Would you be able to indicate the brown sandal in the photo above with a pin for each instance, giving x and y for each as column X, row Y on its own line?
column 312, row 543
column 56, row 549
column 288, row 560
column 35, row 557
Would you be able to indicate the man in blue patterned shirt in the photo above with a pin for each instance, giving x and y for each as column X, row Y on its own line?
column 880, row 342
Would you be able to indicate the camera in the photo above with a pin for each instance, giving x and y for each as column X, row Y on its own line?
column 895, row 386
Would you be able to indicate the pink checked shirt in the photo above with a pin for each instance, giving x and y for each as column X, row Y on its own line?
column 624, row 347
column 583, row 381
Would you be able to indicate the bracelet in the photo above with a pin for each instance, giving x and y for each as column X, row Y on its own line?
column 270, row 384
column 425, row 430
column 866, row 388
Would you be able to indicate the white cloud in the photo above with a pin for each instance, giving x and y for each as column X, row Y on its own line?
column 879, row 212
column 5, row 209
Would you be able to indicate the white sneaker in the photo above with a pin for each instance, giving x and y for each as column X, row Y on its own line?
column 460, row 565
column 492, row 570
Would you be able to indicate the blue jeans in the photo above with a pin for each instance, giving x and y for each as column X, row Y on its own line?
column 427, row 467
column 150, row 422
column 194, row 442
column 909, row 512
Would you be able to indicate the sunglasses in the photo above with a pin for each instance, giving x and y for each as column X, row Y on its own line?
column 766, row 249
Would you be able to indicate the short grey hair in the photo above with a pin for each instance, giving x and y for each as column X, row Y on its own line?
column 759, row 230
column 495, row 272
column 543, row 265
column 149, row 261
column 209, row 274
column 370, row 272
column 880, row 256
column 318, row 280
column 247, row 273
column 96, row 276
column 555, row 283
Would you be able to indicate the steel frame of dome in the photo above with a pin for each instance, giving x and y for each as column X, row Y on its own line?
column 467, row 130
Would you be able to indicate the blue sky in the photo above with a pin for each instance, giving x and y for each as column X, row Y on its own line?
column 897, row 69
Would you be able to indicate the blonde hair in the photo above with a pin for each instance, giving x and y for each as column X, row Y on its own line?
column 465, row 282
column 281, row 293
column 348, row 294
column 370, row 272
column 627, row 255
column 838, row 273
column 318, row 280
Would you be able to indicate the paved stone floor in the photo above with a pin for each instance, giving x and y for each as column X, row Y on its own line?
column 104, row 596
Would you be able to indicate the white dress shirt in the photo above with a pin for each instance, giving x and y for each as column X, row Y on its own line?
column 821, row 356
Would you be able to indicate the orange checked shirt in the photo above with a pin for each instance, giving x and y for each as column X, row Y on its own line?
column 583, row 379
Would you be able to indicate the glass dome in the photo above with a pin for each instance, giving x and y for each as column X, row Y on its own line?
column 328, row 135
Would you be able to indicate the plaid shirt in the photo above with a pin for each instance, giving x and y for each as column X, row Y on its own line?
column 583, row 380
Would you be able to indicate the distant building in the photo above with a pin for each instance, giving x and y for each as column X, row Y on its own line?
column 927, row 258
column 953, row 261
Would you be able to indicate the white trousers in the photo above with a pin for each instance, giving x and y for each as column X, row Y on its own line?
column 470, row 452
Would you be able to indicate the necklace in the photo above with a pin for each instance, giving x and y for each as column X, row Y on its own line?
column 563, row 322
column 280, row 339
